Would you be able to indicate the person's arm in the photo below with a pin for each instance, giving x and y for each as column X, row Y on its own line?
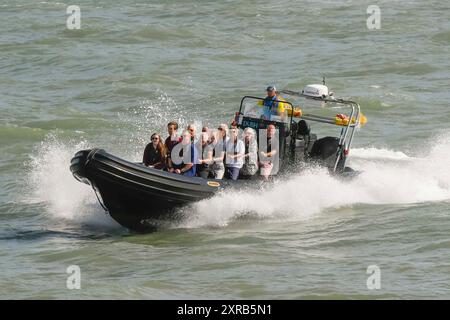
column 162, row 159
column 186, row 167
column 269, row 154
column 236, row 156
column 239, row 153
column 189, row 165
column 209, row 159
column 230, row 154
column 253, row 153
column 272, row 153
column 168, row 158
column 251, row 150
column 220, row 152
column 240, row 150
column 156, row 164
column 220, row 158
column 170, row 165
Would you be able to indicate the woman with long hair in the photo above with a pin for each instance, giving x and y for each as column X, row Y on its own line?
column 155, row 153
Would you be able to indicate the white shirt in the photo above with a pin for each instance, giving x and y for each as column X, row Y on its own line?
column 238, row 149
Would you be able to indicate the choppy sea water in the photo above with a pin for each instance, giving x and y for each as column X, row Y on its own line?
column 133, row 66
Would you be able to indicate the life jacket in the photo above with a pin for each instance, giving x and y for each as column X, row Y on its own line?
column 272, row 107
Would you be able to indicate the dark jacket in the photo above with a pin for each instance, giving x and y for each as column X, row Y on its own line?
column 152, row 157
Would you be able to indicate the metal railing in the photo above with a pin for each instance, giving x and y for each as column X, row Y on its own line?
column 346, row 137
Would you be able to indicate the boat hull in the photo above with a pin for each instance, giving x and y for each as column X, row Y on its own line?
column 141, row 198
column 137, row 196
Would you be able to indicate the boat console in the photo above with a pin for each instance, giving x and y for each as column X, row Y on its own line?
column 297, row 142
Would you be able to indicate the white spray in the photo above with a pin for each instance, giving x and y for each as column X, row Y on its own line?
column 388, row 177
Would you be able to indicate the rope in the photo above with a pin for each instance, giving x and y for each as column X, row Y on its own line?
column 100, row 201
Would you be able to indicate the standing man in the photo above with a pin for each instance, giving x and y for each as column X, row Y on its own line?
column 271, row 104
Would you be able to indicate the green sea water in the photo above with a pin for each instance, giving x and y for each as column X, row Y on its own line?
column 135, row 65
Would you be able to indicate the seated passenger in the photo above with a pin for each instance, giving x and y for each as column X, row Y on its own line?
column 219, row 150
column 192, row 131
column 250, row 166
column 271, row 106
column 205, row 156
column 184, row 157
column 155, row 153
column 235, row 155
column 267, row 158
column 206, row 129
column 172, row 140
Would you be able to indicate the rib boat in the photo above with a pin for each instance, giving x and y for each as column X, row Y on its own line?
column 137, row 196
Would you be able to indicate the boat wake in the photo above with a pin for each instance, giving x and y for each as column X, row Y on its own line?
column 388, row 177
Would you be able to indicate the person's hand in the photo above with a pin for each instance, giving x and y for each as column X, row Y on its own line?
column 171, row 170
column 177, row 171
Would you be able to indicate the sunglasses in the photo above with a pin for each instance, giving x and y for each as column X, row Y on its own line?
column 155, row 138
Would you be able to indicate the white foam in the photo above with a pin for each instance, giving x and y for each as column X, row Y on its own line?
column 378, row 154
column 299, row 197
column 51, row 182
column 388, row 177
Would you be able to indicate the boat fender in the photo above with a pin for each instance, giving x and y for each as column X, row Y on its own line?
column 343, row 120
column 213, row 184
column 90, row 155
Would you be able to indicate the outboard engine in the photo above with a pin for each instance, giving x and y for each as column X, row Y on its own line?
column 325, row 150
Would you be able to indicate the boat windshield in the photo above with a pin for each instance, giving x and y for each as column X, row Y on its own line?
column 256, row 110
